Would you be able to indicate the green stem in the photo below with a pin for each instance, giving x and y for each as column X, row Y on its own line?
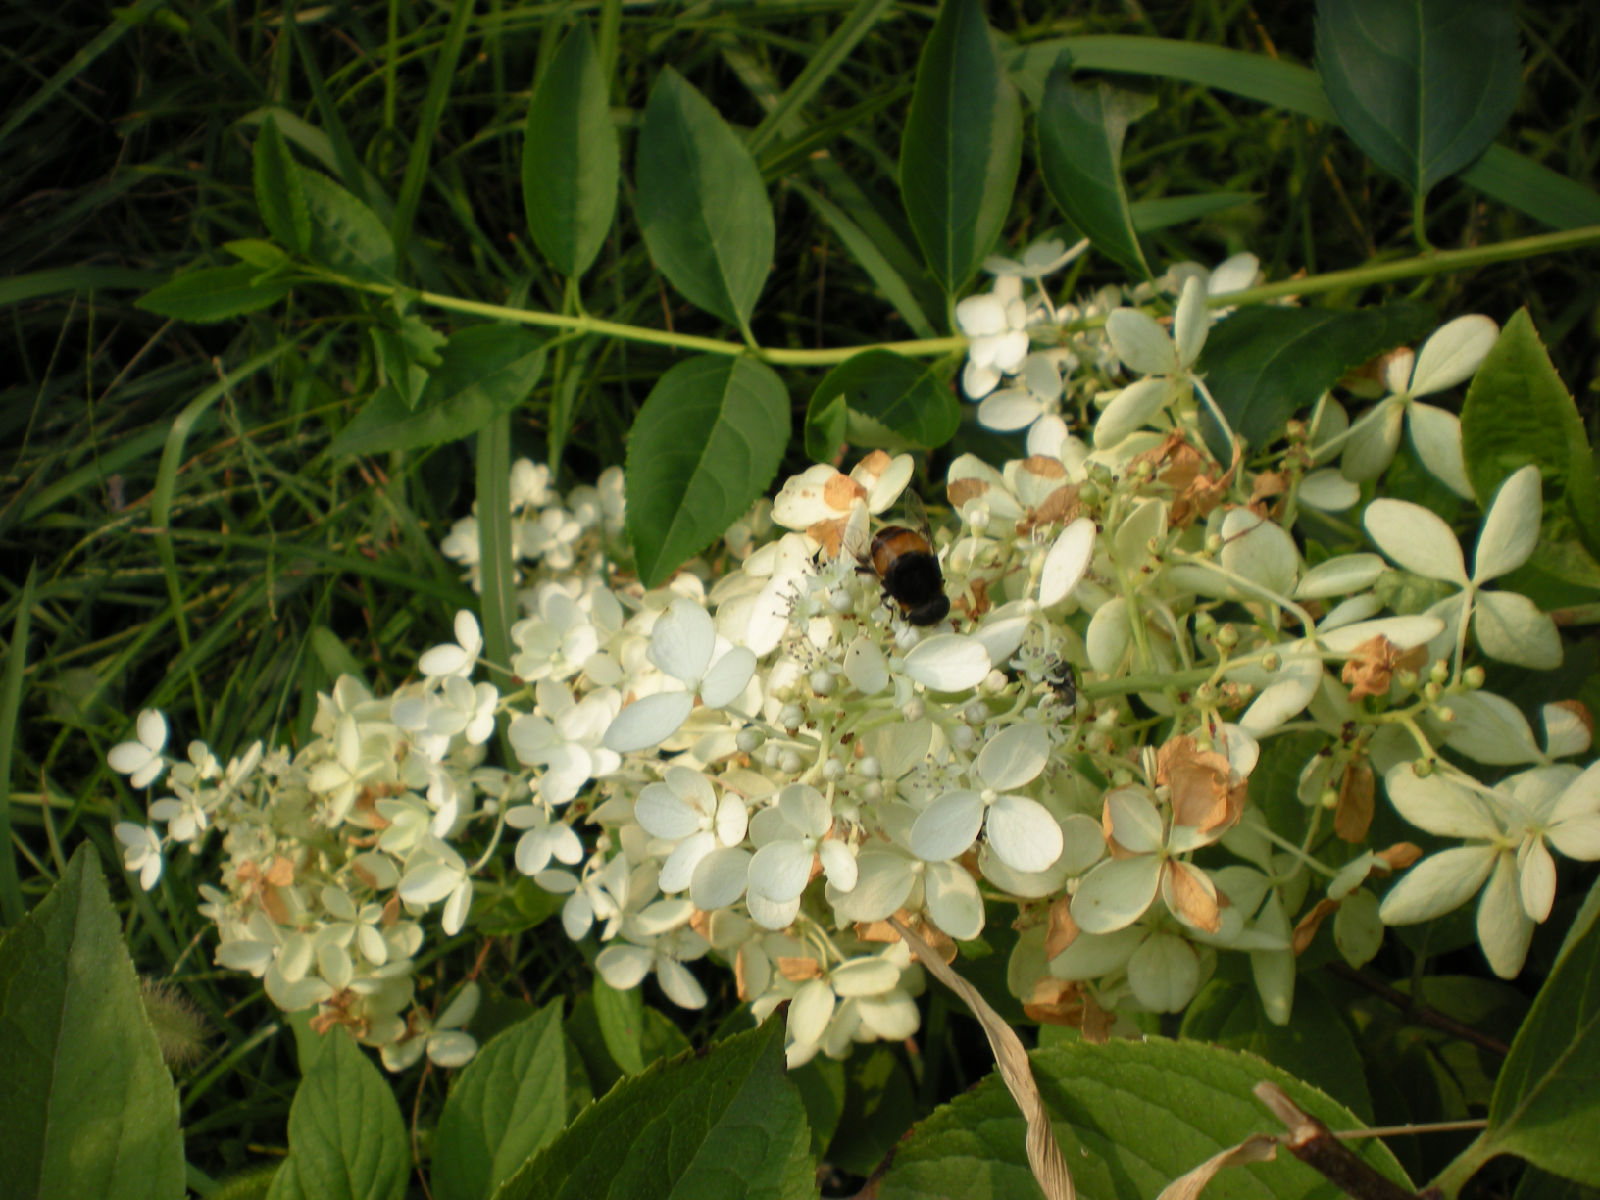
column 1463, row 1167
column 1435, row 262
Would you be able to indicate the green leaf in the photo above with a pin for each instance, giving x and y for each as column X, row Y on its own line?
column 821, row 1086
column 346, row 235
column 703, row 448
column 1149, row 215
column 1265, row 364
column 879, row 1104
column 878, row 399
column 1501, row 174
column 484, row 371
column 962, row 145
column 214, row 294
column 346, row 1138
column 508, row 1104
column 702, row 207
column 621, row 1016
column 87, row 1107
column 570, row 160
column 258, row 252
column 1315, row 1046
column 280, row 191
column 722, row 1123
column 1422, row 86
column 1081, row 131
column 1545, row 1107
column 1130, row 1118
column 1518, row 411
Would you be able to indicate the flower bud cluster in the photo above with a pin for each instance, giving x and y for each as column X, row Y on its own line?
column 1048, row 713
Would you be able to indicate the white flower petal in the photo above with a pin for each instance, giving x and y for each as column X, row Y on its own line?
column 1402, row 632
column 679, row 986
column 1094, row 954
column 1132, row 408
column 769, row 913
column 649, row 721
column 1504, row 929
column 1023, row 834
column 1116, row 893
column 1141, row 343
column 682, row 640
column 719, row 878
column 1329, row 491
column 810, row 1010
column 1453, row 354
column 1164, row 973
column 1440, row 806
column 1489, row 728
column 948, row 826
column 1511, row 528
column 1134, row 822
column 1370, row 447
column 948, row 662
column 1339, row 576
column 1190, row 321
column 680, row 866
column 728, row 677
column 428, row 883
column 1066, row 562
column 953, row 901
column 1437, row 885
column 1013, row 757
column 663, row 813
column 1416, row 539
column 1510, row 627
column 1436, row 434
column 780, row 870
column 1537, row 879
column 865, row 667
column 869, row 976
column 451, row 1048
column 838, row 864
column 884, row 880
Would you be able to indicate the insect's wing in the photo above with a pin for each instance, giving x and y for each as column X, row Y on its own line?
column 856, row 538
column 916, row 513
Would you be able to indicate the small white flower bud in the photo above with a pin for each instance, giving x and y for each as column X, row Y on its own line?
column 1271, row 662
column 905, row 638
column 1213, row 544
column 1432, row 691
column 975, row 713
column 840, row 600
column 822, row 681
column 962, row 737
column 791, row 716
column 1439, row 672
column 1473, row 677
column 833, row 770
column 749, row 739
column 770, row 754
column 789, row 762
column 915, row 709
column 869, row 766
column 994, row 683
column 873, row 792
column 1227, row 637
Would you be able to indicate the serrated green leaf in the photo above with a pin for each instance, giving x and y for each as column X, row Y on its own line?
column 962, row 146
column 483, row 372
column 1130, row 1118
column 258, row 252
column 702, row 207
column 621, row 1016
column 1545, row 1107
column 1518, row 411
column 705, row 445
column 1265, row 364
column 346, row 1138
column 87, row 1107
column 1422, row 86
column 880, row 400
column 508, row 1103
column 346, row 235
column 1315, row 1046
column 570, row 160
column 1081, row 131
column 721, row 1123
column 214, row 294
column 280, row 192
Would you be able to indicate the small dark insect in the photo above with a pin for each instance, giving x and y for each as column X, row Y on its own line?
column 904, row 560
column 1061, row 681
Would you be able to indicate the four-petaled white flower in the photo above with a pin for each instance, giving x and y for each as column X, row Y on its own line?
column 141, row 760
column 1508, row 625
column 705, row 834
column 792, row 836
column 141, row 852
column 1021, row 831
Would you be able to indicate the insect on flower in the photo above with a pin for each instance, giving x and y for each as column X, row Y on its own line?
column 902, row 557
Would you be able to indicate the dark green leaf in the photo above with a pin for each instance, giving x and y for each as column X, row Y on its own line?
column 484, row 371
column 723, row 1123
column 879, row 400
column 1315, row 1046
column 962, row 145
column 821, row 1086
column 570, row 160
column 346, row 235
column 1130, row 1117
column 582, row 1028
column 258, row 252
column 509, row 1103
column 1545, row 1107
column 1517, row 412
column 280, row 193
column 1080, row 153
column 214, row 294
column 621, row 1017
column 1263, row 365
column 703, row 448
column 1422, row 86
column 346, row 1139
column 87, row 1108
column 879, row 1104
column 702, row 207
column 1148, row 215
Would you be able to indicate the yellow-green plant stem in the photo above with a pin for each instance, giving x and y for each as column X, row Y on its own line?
column 1419, row 266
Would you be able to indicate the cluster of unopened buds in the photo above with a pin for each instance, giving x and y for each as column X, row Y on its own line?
column 1045, row 714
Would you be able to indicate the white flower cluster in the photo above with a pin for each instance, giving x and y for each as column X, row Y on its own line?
column 762, row 766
